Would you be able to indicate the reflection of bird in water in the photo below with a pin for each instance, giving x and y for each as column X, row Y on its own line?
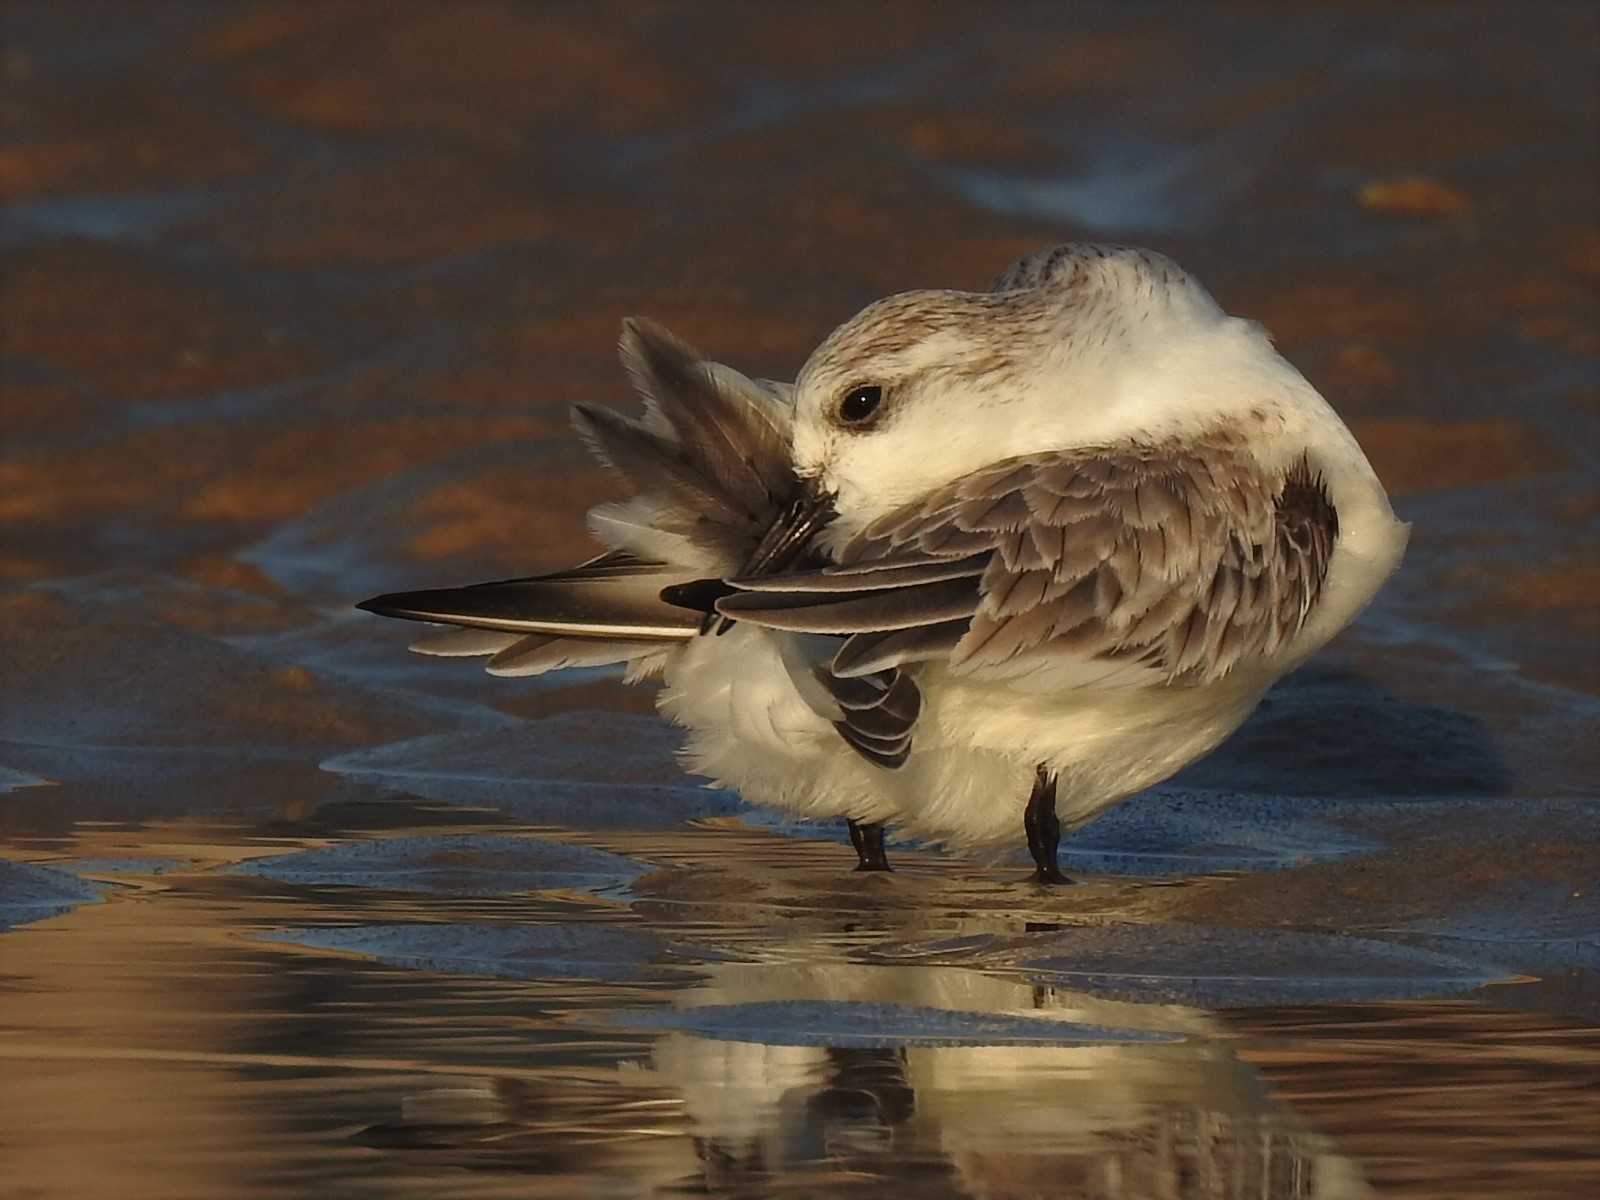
column 1098, row 1115
column 576, row 1136
column 815, row 1076
column 774, row 1109
column 1005, row 559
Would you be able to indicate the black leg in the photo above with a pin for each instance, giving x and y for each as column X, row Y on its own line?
column 867, row 838
column 1043, row 828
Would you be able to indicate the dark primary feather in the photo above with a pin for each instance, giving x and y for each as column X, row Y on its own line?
column 1176, row 561
column 889, row 753
column 859, row 577
column 863, row 610
column 867, row 653
column 611, row 596
column 893, row 709
column 879, row 713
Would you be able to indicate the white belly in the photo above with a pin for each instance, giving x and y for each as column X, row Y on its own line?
column 749, row 729
column 974, row 752
column 978, row 745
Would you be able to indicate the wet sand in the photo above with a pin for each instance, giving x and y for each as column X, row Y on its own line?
column 295, row 300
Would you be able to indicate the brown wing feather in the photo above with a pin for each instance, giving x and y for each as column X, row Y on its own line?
column 1179, row 561
column 711, row 450
column 737, row 441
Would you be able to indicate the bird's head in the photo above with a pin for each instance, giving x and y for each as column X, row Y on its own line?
column 924, row 387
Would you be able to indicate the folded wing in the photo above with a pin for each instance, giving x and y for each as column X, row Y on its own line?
column 1138, row 564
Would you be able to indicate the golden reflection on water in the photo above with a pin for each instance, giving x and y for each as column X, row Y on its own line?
column 1177, row 1115
column 154, row 1047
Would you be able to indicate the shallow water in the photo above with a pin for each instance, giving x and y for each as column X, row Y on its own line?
column 445, row 1018
column 296, row 298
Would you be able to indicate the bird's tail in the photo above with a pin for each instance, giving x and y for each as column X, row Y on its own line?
column 709, row 462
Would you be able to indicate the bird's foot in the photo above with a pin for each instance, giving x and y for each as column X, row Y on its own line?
column 1043, row 828
column 867, row 838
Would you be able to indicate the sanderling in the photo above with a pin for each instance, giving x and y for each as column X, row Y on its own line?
column 996, row 558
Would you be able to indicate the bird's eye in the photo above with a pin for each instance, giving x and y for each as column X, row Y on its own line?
column 860, row 404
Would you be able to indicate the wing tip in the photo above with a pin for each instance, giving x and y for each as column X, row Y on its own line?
column 419, row 606
column 387, row 605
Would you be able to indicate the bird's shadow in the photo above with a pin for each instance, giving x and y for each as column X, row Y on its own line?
column 1331, row 732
